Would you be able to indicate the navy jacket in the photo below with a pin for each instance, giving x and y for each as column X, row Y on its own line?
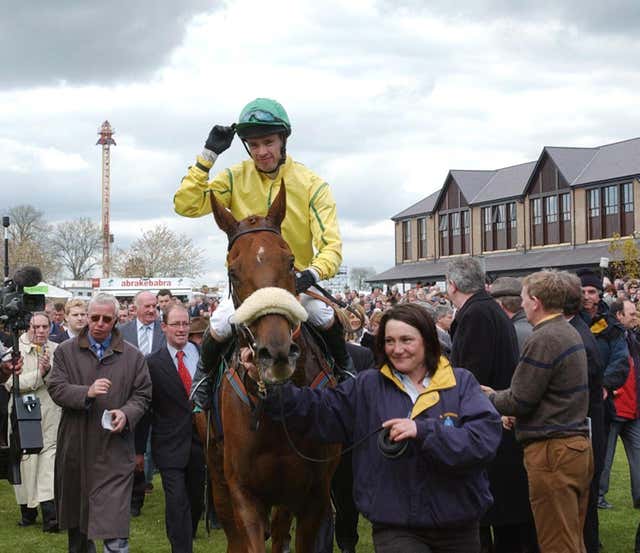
column 440, row 480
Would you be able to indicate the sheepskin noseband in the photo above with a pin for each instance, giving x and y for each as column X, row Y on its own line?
column 270, row 300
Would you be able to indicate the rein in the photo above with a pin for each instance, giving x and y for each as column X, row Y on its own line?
column 316, row 459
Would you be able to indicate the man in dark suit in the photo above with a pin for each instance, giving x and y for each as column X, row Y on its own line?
column 177, row 450
column 144, row 331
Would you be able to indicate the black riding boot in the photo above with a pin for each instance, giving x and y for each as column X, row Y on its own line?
column 29, row 515
column 211, row 352
column 334, row 338
column 49, row 518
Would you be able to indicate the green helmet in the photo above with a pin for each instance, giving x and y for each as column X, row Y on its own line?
column 261, row 117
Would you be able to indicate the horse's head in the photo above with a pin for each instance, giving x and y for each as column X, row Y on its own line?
column 262, row 280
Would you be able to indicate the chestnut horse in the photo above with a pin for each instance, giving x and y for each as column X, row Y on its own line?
column 253, row 468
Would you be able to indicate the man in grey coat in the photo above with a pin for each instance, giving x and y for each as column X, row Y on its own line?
column 506, row 291
column 102, row 384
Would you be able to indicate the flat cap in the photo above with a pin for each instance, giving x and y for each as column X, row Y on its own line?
column 506, row 286
column 198, row 325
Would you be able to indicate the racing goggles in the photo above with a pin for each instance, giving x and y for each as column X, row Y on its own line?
column 259, row 116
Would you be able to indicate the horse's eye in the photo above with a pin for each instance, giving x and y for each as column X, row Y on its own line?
column 292, row 262
column 232, row 274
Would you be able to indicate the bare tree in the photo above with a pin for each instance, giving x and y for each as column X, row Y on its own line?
column 33, row 252
column 75, row 245
column 160, row 252
column 27, row 234
column 27, row 223
column 358, row 276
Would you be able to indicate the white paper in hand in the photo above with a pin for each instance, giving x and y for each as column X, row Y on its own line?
column 106, row 420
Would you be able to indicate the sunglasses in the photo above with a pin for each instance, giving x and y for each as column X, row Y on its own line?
column 106, row 318
column 259, row 116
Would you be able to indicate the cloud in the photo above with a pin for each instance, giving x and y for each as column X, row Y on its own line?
column 21, row 158
column 384, row 98
column 79, row 41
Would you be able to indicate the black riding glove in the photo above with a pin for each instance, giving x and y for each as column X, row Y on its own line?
column 220, row 138
column 305, row 280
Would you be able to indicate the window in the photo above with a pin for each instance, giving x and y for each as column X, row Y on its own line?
column 444, row 225
column 594, row 202
column 455, row 224
column 499, row 216
column 565, row 200
column 551, row 210
column 537, row 211
column 422, row 237
column 466, row 222
column 486, row 219
column 627, row 197
column 406, row 239
column 513, row 215
column 611, row 200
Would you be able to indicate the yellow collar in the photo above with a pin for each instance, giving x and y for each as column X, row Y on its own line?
column 443, row 379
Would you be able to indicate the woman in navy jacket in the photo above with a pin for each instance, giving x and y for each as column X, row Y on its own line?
column 430, row 498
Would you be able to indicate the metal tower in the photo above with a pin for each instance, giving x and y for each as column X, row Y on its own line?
column 106, row 132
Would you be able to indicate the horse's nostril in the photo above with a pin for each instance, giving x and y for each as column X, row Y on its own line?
column 294, row 351
column 264, row 355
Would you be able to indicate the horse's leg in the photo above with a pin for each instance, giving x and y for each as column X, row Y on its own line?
column 311, row 518
column 219, row 488
column 280, row 530
column 250, row 517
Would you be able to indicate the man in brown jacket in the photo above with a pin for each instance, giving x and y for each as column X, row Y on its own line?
column 549, row 396
column 102, row 384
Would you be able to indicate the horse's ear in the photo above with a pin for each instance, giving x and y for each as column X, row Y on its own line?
column 278, row 208
column 224, row 219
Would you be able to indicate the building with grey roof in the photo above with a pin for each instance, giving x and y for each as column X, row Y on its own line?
column 561, row 210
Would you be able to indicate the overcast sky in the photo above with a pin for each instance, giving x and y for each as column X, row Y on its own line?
column 384, row 98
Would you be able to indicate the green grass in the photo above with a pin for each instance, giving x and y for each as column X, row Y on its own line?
column 617, row 526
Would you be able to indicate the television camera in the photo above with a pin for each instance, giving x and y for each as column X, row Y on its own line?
column 16, row 307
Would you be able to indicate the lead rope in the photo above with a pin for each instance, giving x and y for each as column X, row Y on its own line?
column 314, row 459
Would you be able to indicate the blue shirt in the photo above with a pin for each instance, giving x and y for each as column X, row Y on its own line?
column 191, row 357
column 93, row 343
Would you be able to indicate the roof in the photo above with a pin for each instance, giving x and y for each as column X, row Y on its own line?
column 621, row 159
column 422, row 207
column 506, row 183
column 471, row 182
column 570, row 161
column 579, row 166
column 511, row 263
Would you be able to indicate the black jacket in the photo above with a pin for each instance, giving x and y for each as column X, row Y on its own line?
column 485, row 342
column 170, row 414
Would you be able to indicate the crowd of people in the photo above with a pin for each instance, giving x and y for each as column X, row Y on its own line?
column 553, row 354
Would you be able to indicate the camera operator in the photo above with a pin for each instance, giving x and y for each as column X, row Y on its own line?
column 6, row 370
column 37, row 469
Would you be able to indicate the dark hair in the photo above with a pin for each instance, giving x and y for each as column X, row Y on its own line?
column 617, row 307
column 416, row 316
column 573, row 299
column 58, row 306
column 164, row 292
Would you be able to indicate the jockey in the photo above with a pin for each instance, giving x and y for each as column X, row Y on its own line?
column 248, row 188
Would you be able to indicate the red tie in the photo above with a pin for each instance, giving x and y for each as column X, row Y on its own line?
column 184, row 372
